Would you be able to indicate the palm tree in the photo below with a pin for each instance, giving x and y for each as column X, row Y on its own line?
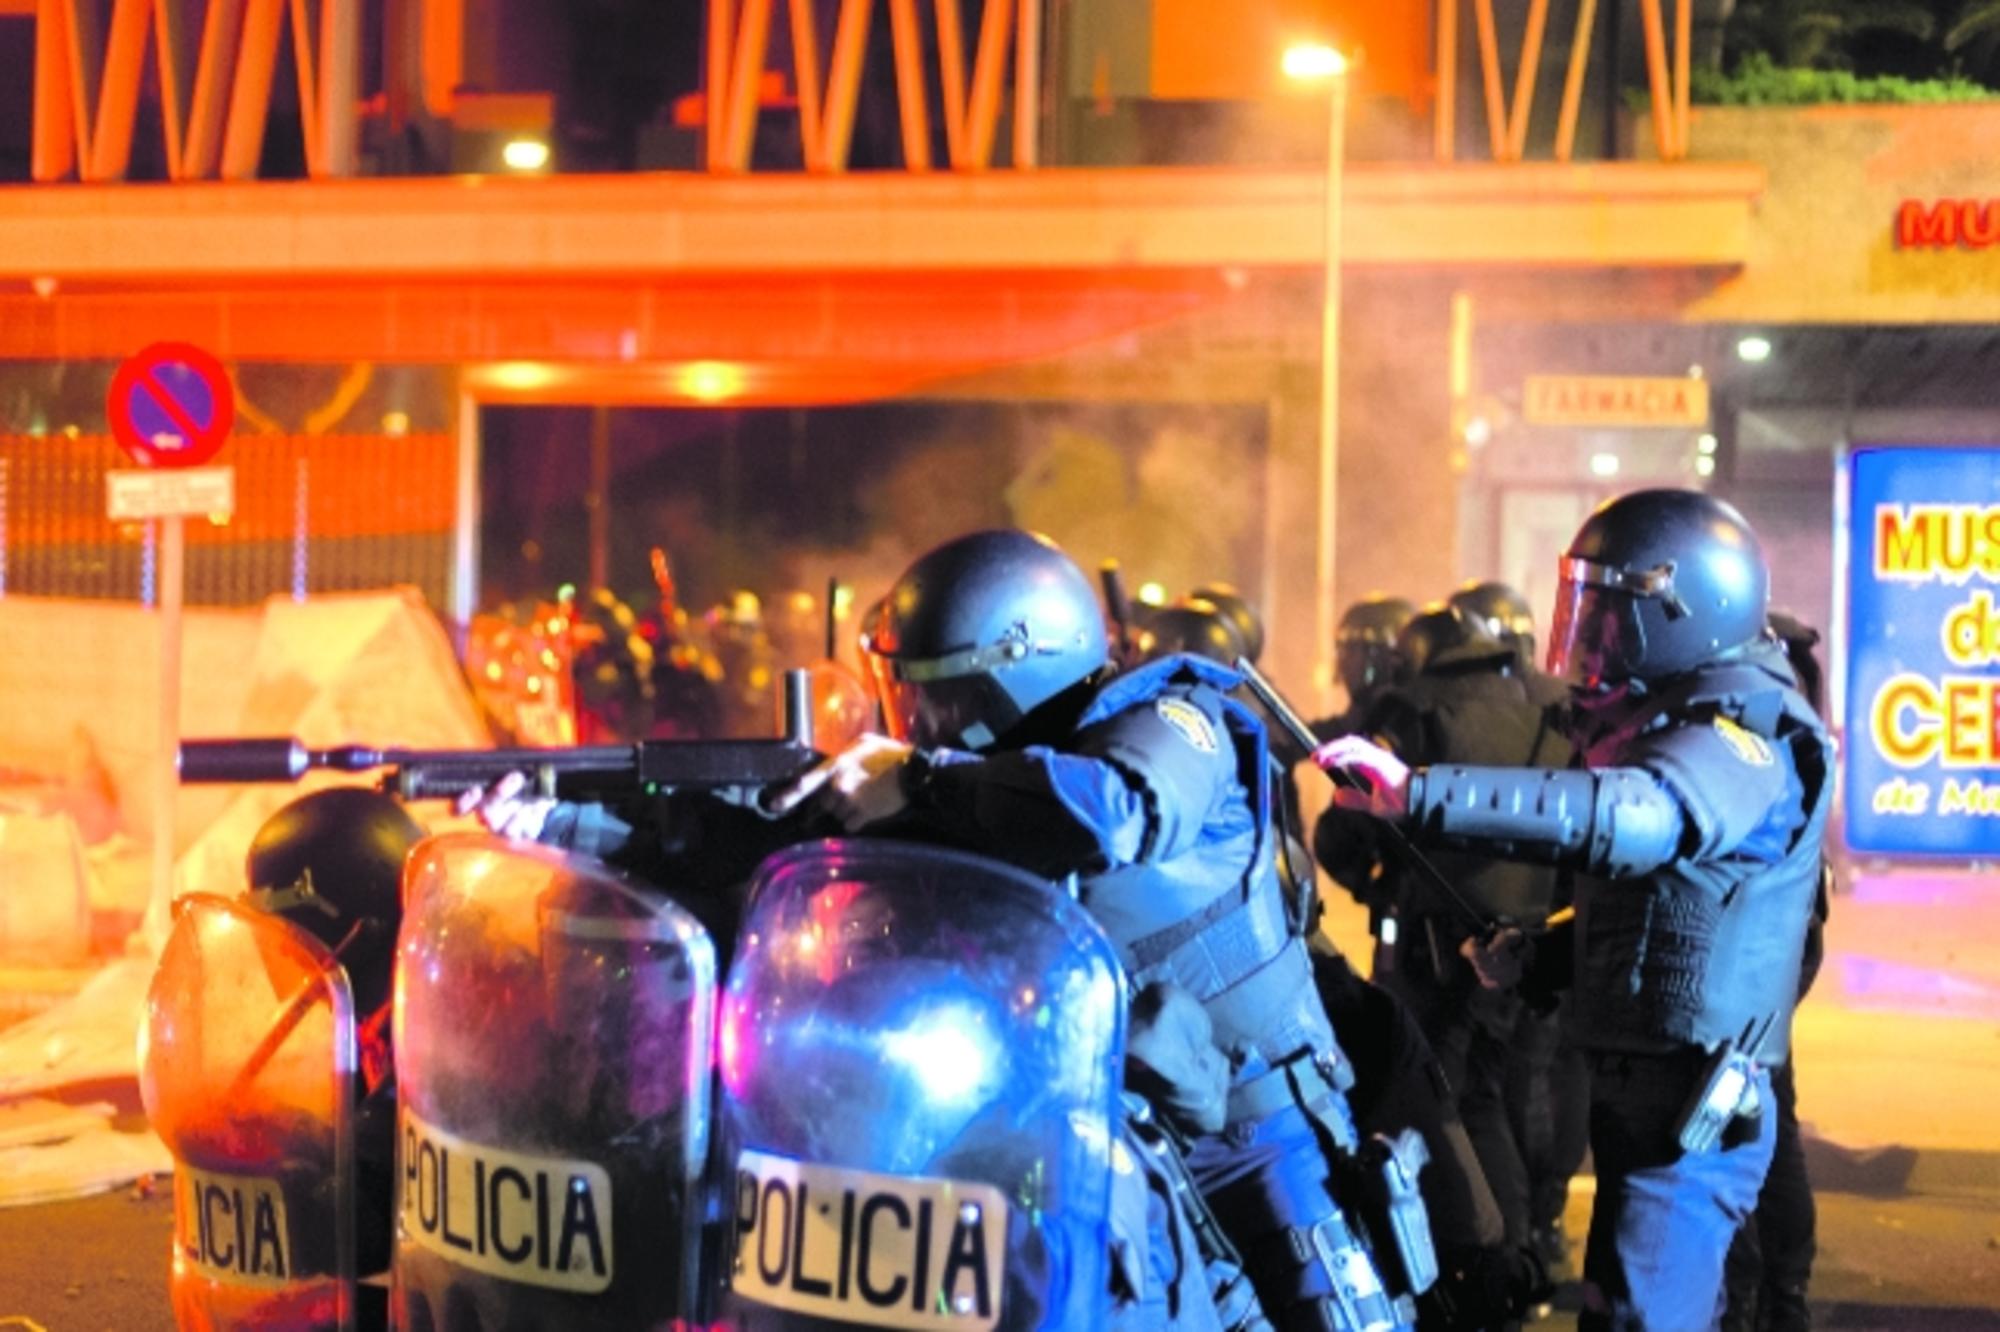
column 1711, row 26
column 1974, row 37
column 1798, row 34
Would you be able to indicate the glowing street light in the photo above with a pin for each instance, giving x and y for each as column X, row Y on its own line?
column 710, row 381
column 1312, row 61
column 525, row 154
column 1754, row 349
column 522, row 376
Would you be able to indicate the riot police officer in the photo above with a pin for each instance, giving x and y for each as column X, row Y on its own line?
column 1368, row 662
column 1398, row 1081
column 1192, row 625
column 332, row 864
column 1234, row 607
column 1503, row 614
column 1548, row 1091
column 1011, row 738
column 1695, row 825
column 1465, row 702
column 1366, row 658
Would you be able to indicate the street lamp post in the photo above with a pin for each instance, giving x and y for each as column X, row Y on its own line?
column 1316, row 63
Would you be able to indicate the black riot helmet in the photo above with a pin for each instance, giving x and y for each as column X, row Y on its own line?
column 1502, row 613
column 332, row 864
column 979, row 633
column 1364, row 644
column 1439, row 628
column 1193, row 625
column 1799, row 639
column 1656, row 583
column 1235, row 608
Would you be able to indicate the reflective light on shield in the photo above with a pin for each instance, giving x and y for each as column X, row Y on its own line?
column 948, row 1049
column 729, row 1043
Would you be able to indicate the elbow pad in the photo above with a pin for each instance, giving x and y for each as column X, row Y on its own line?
column 1613, row 822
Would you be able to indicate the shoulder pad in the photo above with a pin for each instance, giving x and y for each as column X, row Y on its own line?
column 1726, row 776
column 1135, row 686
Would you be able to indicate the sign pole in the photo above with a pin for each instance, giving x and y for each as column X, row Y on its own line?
column 170, row 407
column 166, row 772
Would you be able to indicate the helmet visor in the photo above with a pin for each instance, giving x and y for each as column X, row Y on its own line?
column 1599, row 637
column 926, row 709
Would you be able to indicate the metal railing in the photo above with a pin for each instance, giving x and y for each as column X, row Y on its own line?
column 313, row 515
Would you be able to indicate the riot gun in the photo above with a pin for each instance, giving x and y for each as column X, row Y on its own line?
column 735, row 771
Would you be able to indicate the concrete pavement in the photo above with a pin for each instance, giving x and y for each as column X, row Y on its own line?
column 1915, row 1262
column 1898, row 1046
column 1899, row 1070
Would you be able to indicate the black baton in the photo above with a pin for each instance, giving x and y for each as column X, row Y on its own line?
column 1302, row 735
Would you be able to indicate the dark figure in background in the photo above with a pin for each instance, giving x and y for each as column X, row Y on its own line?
column 1369, row 663
column 332, row 864
column 613, row 669
column 743, row 649
column 1501, row 613
column 1151, row 792
column 1548, row 1084
column 1770, row 1264
column 1235, row 608
column 1694, row 826
column 1192, row 626
column 1465, row 702
column 687, row 679
column 1366, row 658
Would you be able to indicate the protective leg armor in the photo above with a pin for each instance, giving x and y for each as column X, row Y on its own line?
column 1269, row 1182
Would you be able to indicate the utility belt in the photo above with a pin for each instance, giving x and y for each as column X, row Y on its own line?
column 1722, row 1102
column 1312, row 1082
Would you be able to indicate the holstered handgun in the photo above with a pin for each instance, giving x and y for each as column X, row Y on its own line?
column 1726, row 1093
column 1392, row 1209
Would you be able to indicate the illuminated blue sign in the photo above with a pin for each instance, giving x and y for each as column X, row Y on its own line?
column 1923, row 657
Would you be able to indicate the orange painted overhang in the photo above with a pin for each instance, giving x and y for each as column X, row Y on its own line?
column 895, row 276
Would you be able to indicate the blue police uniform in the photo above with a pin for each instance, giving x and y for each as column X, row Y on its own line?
column 1694, row 826
column 1158, row 802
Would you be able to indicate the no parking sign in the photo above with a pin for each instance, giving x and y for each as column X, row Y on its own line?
column 171, row 407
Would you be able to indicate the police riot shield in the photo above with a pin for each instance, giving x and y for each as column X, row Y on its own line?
column 920, row 1057
column 553, row 1034
column 246, row 1065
